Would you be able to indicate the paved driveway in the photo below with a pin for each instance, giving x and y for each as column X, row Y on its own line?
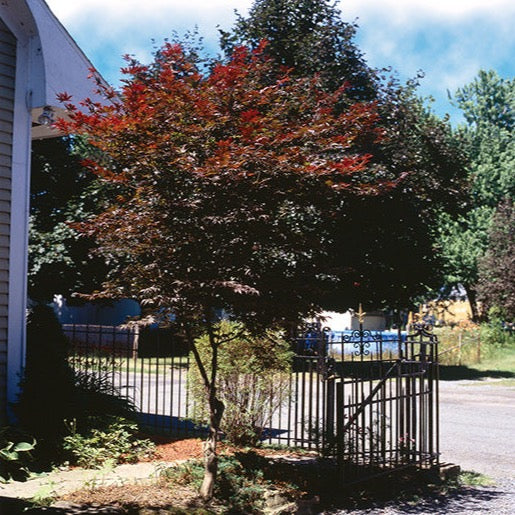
column 477, row 426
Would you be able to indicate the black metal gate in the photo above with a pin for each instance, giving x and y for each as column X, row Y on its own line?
column 381, row 398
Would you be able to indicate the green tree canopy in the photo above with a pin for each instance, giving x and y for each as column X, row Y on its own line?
column 62, row 192
column 496, row 285
column 309, row 37
column 488, row 105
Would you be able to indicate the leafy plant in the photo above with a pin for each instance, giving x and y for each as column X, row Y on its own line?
column 52, row 392
column 252, row 381
column 15, row 453
column 44, row 496
column 496, row 334
column 110, row 439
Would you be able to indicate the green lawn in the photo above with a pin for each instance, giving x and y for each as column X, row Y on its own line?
column 130, row 365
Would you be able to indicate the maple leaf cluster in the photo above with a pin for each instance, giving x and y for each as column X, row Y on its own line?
column 227, row 182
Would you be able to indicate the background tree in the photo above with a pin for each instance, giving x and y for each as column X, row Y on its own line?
column 385, row 246
column 488, row 105
column 309, row 37
column 230, row 183
column 62, row 192
column 496, row 284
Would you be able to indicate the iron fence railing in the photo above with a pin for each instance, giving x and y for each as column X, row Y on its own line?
column 358, row 396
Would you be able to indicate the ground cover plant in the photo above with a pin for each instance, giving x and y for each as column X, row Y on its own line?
column 108, row 440
column 16, row 448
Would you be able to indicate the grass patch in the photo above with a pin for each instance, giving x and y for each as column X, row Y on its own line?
column 469, row 478
column 499, row 365
column 501, row 360
column 108, row 364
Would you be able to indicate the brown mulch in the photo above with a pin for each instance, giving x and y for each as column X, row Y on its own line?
column 191, row 449
column 173, row 450
column 161, row 494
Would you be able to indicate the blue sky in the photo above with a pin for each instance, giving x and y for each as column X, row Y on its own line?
column 450, row 40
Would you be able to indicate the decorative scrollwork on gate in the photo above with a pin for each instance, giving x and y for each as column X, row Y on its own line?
column 361, row 339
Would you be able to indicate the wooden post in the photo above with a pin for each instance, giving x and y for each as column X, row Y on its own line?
column 460, row 336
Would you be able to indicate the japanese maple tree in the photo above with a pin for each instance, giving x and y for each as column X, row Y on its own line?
column 228, row 183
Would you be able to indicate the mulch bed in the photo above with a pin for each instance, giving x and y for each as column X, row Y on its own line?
column 168, row 449
column 132, row 497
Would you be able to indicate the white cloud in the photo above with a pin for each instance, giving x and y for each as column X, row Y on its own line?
column 122, row 10
column 405, row 10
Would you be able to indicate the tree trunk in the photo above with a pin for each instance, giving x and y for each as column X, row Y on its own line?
column 216, row 410
column 472, row 298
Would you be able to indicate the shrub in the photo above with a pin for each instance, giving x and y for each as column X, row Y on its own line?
column 497, row 334
column 253, row 381
column 109, row 439
column 241, row 482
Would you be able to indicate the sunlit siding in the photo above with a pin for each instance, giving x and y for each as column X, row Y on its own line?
column 7, row 76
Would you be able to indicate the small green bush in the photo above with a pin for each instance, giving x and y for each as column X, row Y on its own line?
column 109, row 440
column 253, row 381
column 495, row 334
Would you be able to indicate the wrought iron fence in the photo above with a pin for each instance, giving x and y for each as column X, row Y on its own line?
column 147, row 367
column 359, row 396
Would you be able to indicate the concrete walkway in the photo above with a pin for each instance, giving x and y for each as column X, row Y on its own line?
column 60, row 482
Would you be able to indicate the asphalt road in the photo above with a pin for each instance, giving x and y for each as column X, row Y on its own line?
column 477, row 426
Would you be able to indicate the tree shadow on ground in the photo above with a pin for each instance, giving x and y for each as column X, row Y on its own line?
column 423, row 501
column 409, row 493
column 457, row 372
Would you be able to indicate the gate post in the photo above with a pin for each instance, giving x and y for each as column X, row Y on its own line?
column 329, row 435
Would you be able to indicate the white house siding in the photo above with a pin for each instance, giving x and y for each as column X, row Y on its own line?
column 7, row 79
